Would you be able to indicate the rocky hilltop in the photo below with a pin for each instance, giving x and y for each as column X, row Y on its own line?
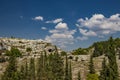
column 79, row 62
column 36, row 46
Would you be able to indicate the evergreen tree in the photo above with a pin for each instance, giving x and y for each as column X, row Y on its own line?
column 66, row 69
column 50, row 67
column 91, row 66
column 79, row 76
column 32, row 69
column 113, row 68
column 22, row 73
column 45, row 65
column 57, row 66
column 70, row 71
column 92, row 75
column 103, row 72
column 39, row 68
column 42, row 67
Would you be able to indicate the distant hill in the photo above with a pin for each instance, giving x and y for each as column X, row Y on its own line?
column 34, row 49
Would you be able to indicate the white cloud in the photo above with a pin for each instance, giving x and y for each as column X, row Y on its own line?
column 99, row 25
column 55, row 21
column 43, row 28
column 38, row 18
column 61, row 35
column 87, row 33
column 82, row 38
column 61, row 26
column 115, row 17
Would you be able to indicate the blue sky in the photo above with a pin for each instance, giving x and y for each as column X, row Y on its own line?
column 68, row 24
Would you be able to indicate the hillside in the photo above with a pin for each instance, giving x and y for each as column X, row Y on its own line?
column 28, row 49
column 79, row 58
column 99, row 51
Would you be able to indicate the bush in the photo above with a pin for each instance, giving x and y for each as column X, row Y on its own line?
column 92, row 77
column 13, row 52
column 28, row 49
column 79, row 51
column 63, row 53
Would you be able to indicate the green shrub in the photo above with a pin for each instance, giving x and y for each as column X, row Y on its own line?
column 13, row 52
column 63, row 53
column 92, row 77
column 80, row 51
column 28, row 49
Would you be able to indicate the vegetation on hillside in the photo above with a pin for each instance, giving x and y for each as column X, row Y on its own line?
column 80, row 51
column 101, row 47
column 54, row 67
column 13, row 52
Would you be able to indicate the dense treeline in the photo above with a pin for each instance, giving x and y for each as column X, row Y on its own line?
column 101, row 47
column 80, row 51
column 110, row 70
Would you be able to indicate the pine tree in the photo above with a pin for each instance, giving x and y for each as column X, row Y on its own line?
column 32, row 69
column 57, row 66
column 50, row 67
column 79, row 76
column 66, row 69
column 22, row 73
column 103, row 72
column 91, row 66
column 42, row 67
column 45, row 64
column 113, row 68
column 39, row 68
column 70, row 71
column 92, row 75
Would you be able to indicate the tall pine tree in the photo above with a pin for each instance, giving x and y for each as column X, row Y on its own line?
column 79, row 76
column 66, row 69
column 104, row 71
column 113, row 68
column 91, row 66
column 40, row 66
column 70, row 71
column 32, row 69
column 57, row 66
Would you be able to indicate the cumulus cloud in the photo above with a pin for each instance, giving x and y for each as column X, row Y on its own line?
column 61, row 26
column 55, row 21
column 82, row 38
column 61, row 35
column 99, row 25
column 38, row 18
column 87, row 33
column 43, row 28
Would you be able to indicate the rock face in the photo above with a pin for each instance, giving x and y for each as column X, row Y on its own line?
column 79, row 62
column 37, row 46
column 82, row 65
